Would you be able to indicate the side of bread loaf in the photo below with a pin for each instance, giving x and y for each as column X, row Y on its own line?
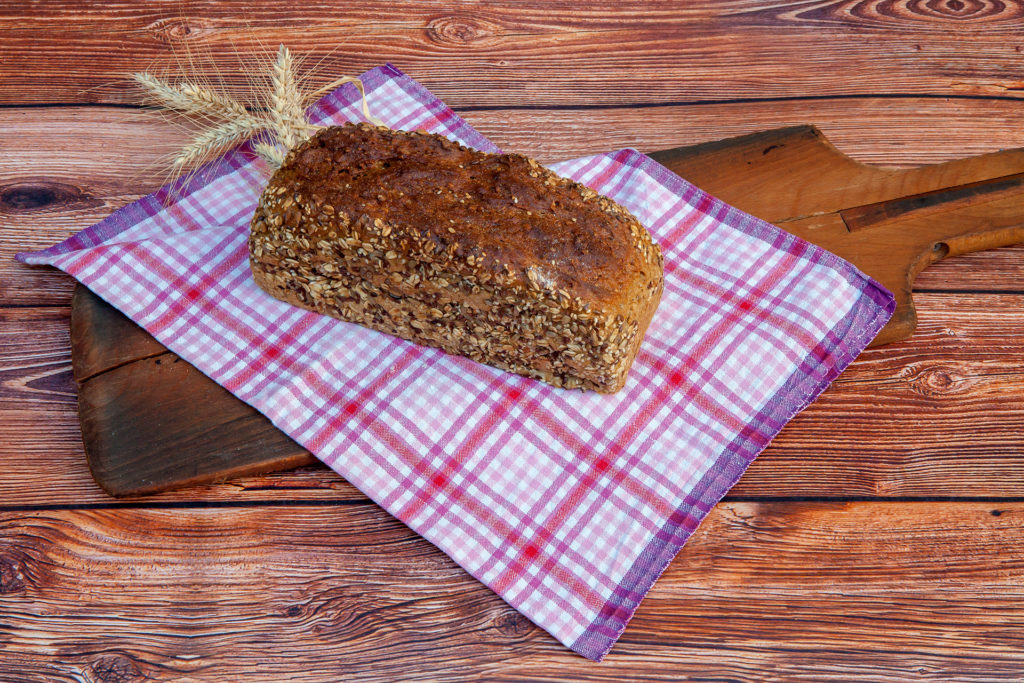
column 489, row 256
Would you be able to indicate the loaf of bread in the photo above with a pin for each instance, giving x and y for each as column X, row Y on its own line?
column 489, row 256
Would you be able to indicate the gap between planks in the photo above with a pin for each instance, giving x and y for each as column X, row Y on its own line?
column 357, row 502
column 599, row 107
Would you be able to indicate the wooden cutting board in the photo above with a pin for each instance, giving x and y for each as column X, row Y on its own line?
column 151, row 422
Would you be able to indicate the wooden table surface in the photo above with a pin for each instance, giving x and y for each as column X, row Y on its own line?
column 881, row 536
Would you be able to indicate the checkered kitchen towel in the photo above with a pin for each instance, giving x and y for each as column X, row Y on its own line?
column 569, row 505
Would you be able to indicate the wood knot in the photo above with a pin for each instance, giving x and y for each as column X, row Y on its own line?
column 11, row 578
column 973, row 10
column 38, row 196
column 460, row 31
column 886, row 13
column 116, row 668
column 932, row 382
column 178, row 30
column 512, row 624
column 54, row 382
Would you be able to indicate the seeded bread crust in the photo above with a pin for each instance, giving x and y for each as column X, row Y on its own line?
column 488, row 256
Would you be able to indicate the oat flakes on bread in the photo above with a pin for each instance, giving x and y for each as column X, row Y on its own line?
column 488, row 256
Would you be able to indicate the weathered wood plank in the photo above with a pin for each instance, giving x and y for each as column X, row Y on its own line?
column 927, row 404
column 108, row 157
column 944, row 412
column 780, row 591
column 539, row 53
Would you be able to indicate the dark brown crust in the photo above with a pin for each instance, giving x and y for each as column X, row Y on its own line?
column 489, row 256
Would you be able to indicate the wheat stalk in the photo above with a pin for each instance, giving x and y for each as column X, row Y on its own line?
column 189, row 99
column 226, row 121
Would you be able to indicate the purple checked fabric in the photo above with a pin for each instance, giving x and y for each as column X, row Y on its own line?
column 569, row 505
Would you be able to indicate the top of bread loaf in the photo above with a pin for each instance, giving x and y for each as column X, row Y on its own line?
column 500, row 213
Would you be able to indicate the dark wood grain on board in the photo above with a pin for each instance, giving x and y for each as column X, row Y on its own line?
column 217, row 437
column 150, row 392
column 763, row 591
column 558, row 52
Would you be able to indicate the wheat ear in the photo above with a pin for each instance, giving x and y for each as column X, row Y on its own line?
column 188, row 98
column 286, row 112
column 270, row 153
column 226, row 122
column 214, row 139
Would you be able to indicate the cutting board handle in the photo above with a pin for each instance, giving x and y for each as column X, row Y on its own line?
column 890, row 222
column 968, row 242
